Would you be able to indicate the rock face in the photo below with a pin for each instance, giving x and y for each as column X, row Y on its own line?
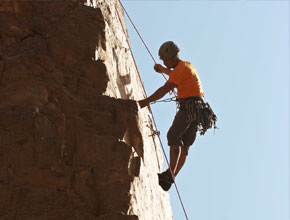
column 73, row 143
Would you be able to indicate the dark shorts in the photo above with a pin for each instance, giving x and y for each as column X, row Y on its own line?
column 182, row 133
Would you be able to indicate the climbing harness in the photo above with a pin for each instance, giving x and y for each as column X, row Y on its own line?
column 196, row 110
column 201, row 112
column 191, row 111
column 172, row 174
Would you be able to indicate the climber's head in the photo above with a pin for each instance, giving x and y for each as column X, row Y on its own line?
column 168, row 52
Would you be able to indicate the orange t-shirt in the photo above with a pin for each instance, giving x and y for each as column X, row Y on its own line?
column 185, row 77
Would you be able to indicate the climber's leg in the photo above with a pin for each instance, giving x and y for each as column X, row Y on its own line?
column 178, row 151
column 176, row 161
column 174, row 137
column 188, row 139
column 174, row 157
column 181, row 160
column 166, row 178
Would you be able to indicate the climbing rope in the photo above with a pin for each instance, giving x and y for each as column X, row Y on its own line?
column 142, row 41
column 146, row 94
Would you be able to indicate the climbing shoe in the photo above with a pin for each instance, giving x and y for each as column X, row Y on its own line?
column 165, row 180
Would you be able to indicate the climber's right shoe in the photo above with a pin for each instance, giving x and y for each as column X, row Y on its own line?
column 166, row 175
column 165, row 185
column 165, row 180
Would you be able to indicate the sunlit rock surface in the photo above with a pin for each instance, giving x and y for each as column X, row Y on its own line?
column 73, row 143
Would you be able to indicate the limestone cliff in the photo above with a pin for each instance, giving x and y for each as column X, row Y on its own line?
column 73, row 143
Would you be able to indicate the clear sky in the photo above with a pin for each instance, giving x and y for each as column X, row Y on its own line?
column 240, row 49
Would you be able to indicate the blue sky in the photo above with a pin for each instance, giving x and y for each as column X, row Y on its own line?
column 241, row 52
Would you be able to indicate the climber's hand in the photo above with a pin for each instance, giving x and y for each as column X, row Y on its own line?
column 143, row 103
column 158, row 68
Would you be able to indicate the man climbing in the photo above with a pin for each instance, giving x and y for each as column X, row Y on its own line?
column 193, row 114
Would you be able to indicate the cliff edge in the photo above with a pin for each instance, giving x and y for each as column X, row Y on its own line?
column 73, row 143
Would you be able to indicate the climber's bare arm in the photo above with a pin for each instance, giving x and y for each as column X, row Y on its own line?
column 168, row 86
column 161, row 69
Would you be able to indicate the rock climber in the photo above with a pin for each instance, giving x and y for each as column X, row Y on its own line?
column 193, row 115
